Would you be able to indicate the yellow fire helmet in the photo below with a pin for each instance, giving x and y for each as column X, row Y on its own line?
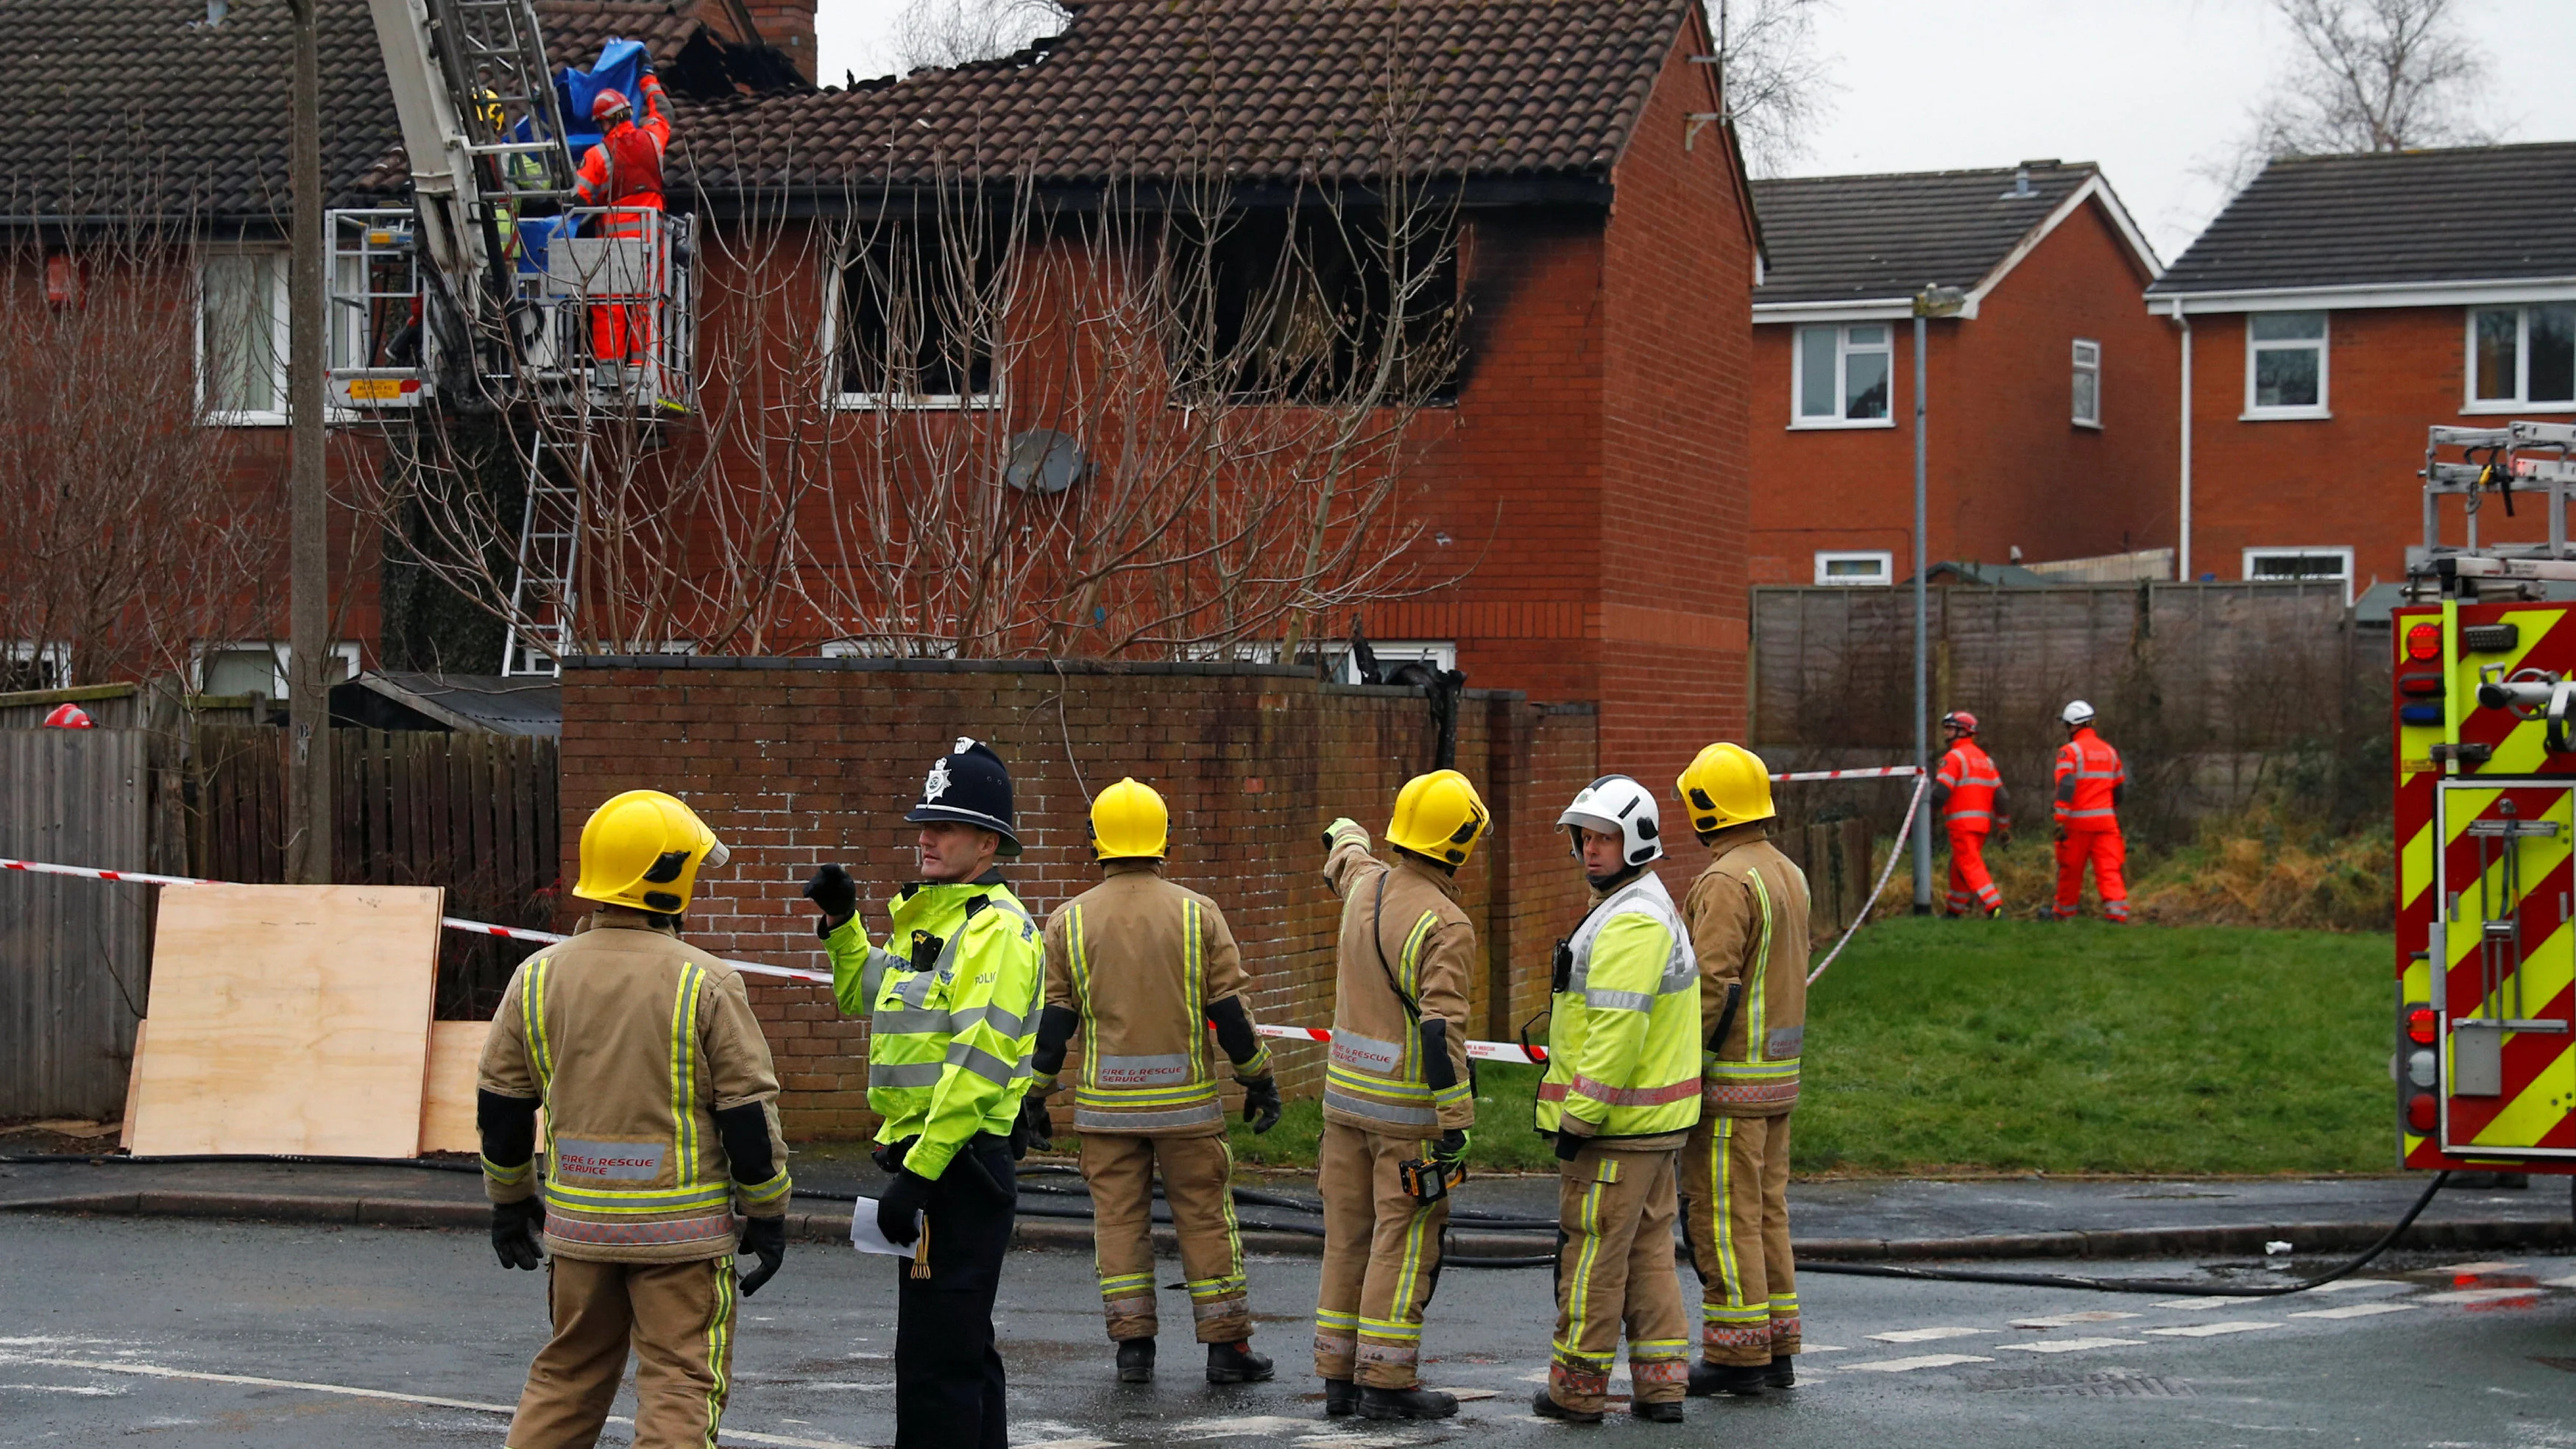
column 1129, row 822
column 1727, row 785
column 644, row 850
column 1438, row 816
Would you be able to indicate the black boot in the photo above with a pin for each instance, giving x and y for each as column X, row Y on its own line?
column 1236, row 1363
column 1656, row 1413
column 1341, row 1398
column 1544, row 1405
column 1377, row 1403
column 1783, row 1373
column 1726, row 1378
column 1136, row 1361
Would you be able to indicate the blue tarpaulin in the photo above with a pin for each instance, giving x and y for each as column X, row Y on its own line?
column 620, row 68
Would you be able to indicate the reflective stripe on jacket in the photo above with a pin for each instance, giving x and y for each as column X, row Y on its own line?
column 625, row 168
column 1401, row 920
column 1747, row 915
column 951, row 1020
column 1969, row 774
column 1623, row 1038
column 632, row 1040
column 2088, row 769
column 1141, row 959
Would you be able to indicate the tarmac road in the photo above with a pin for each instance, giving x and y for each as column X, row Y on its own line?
column 186, row 1333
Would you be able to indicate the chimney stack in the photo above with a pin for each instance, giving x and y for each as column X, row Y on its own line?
column 788, row 25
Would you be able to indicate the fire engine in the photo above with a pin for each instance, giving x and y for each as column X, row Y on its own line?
column 2485, row 716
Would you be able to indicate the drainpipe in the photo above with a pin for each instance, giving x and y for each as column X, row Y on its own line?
column 2182, row 542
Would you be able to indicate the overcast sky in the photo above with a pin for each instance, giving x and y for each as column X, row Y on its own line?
column 2152, row 89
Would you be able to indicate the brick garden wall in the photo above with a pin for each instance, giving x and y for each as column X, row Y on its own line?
column 800, row 761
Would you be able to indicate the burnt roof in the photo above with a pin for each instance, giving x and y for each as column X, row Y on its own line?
column 2474, row 213
column 1844, row 238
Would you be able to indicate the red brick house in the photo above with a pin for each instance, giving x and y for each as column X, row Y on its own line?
column 2050, row 398
column 2339, row 307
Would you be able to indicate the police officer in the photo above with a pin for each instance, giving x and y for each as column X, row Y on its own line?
column 1747, row 915
column 952, row 1000
column 1141, row 967
column 1622, row 1090
column 658, row 1095
column 1397, row 1104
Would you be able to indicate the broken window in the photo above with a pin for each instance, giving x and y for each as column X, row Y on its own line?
column 917, row 313
column 1315, row 304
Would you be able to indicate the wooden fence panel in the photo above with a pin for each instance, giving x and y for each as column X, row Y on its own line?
column 75, row 955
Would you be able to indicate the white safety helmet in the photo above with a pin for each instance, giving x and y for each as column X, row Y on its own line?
column 2077, row 712
column 1617, row 805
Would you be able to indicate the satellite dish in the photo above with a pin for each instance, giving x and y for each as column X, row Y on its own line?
column 1045, row 461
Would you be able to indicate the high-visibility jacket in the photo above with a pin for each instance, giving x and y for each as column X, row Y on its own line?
column 2088, row 770
column 625, row 168
column 1142, row 959
column 1747, row 915
column 952, row 1014
column 1405, row 954
column 1969, row 774
column 1623, row 1037
column 633, row 1040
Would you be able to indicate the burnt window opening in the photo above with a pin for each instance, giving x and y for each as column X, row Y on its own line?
column 917, row 313
column 1300, row 305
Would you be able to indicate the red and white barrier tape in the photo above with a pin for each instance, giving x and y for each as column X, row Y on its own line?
column 1875, row 772
column 1903, row 832
column 1483, row 1051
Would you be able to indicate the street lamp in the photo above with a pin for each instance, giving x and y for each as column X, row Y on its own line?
column 1929, row 303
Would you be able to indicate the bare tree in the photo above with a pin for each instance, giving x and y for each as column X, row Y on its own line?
column 938, row 33
column 2366, row 75
column 1775, row 86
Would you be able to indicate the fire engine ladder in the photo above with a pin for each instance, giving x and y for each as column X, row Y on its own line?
column 2534, row 459
column 541, row 597
column 2500, row 920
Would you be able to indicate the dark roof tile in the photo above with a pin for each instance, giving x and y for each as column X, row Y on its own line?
column 1837, row 238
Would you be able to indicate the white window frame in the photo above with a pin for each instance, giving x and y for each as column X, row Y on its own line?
column 2085, row 359
column 1799, row 421
column 859, row 402
column 280, row 342
column 59, row 655
column 2339, row 551
column 2470, row 402
column 281, row 659
column 1884, row 558
column 2323, row 342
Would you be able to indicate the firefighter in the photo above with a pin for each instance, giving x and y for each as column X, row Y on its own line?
column 624, row 171
column 660, row 1123
column 1621, row 1093
column 1397, row 1099
column 952, row 999
column 1970, row 798
column 2091, row 783
column 1747, row 915
column 1141, row 967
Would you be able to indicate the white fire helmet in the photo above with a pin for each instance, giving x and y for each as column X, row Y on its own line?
column 1617, row 805
column 2077, row 712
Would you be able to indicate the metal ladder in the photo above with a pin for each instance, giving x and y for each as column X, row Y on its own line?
column 541, row 597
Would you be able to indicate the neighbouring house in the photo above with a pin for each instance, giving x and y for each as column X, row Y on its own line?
column 1599, row 252
column 2339, row 307
column 2050, row 399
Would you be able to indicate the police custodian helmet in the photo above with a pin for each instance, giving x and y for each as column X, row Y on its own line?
column 969, row 784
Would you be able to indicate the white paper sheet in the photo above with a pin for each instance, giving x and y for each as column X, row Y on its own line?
column 865, row 1237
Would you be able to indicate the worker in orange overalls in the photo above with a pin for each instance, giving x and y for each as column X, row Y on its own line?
column 624, row 171
column 1970, row 797
column 2090, row 783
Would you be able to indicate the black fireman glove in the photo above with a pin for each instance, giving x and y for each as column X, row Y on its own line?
column 515, row 1230
column 1569, row 1145
column 1261, row 1103
column 1036, row 1125
column 765, row 1239
column 889, row 1156
column 2061, row 835
column 899, row 1211
column 1451, row 1149
column 1335, row 829
column 835, row 895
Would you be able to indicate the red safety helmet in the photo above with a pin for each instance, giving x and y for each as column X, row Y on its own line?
column 608, row 103
column 70, row 717
column 1959, row 721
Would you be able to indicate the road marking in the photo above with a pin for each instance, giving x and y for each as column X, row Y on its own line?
column 2069, row 1320
column 2488, row 1266
column 1927, row 1335
column 87, row 1391
column 1830, row 1347
column 2212, row 1330
column 1251, row 1425
column 158, row 1371
column 2479, row 1295
column 2355, row 1310
column 1070, row 1444
column 1909, row 1365
column 2345, row 1285
column 2071, row 1345
column 2199, row 1305
column 2567, row 1282
column 1469, row 1396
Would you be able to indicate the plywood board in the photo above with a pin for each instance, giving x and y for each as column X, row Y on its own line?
column 289, row 1020
column 133, row 1086
column 447, row 1107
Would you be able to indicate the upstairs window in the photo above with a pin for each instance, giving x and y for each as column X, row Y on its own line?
column 2522, row 357
column 2088, row 383
column 241, row 336
column 916, row 312
column 2285, row 365
column 1303, row 305
column 2301, row 565
column 1843, row 375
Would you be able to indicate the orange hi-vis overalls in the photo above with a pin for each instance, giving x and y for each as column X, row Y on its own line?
column 625, row 171
column 1969, row 774
column 2088, row 824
